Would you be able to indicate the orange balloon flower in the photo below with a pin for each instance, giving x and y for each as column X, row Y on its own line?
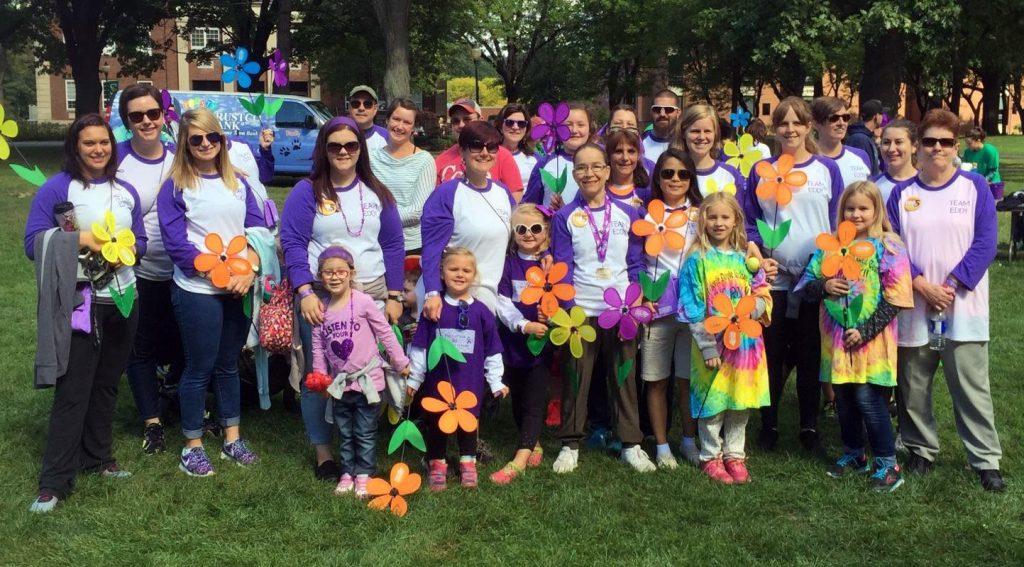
column 778, row 182
column 734, row 321
column 546, row 288
column 841, row 253
column 456, row 414
column 403, row 483
column 221, row 263
column 657, row 232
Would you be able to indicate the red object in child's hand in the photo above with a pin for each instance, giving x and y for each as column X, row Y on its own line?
column 318, row 382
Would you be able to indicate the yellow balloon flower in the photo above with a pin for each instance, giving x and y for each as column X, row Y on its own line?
column 117, row 244
column 744, row 155
column 8, row 129
column 713, row 187
column 570, row 327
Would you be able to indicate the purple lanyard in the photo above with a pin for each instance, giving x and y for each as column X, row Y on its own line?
column 600, row 238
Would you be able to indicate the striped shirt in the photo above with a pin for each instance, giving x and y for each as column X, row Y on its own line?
column 410, row 180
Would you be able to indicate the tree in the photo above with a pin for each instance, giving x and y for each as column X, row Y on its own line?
column 393, row 16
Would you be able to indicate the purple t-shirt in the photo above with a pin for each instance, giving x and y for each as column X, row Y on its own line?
column 513, row 282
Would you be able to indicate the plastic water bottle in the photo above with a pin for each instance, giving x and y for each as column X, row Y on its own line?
column 937, row 330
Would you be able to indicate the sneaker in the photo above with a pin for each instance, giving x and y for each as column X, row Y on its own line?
column 567, row 460
column 692, row 454
column 829, row 408
column 536, row 457
column 554, row 417
column 44, row 504
column 507, row 474
column 195, row 462
column 114, row 471
column 887, row 479
column 345, row 485
column 637, row 458
column 153, row 439
column 917, row 464
column 991, row 480
column 360, row 487
column 328, row 471
column 468, row 474
column 737, row 469
column 716, row 470
column 667, row 462
column 767, row 439
column 238, row 452
column 809, row 439
column 437, row 475
column 847, row 464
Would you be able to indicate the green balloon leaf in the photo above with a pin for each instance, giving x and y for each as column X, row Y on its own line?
column 853, row 311
column 442, row 347
column 563, row 179
column 33, row 176
column 536, row 344
column 247, row 300
column 622, row 372
column 253, row 107
column 406, row 432
column 654, row 289
column 549, row 180
column 272, row 106
column 398, row 335
column 123, row 300
column 772, row 237
column 836, row 311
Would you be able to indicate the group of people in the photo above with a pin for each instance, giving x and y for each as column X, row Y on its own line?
column 643, row 262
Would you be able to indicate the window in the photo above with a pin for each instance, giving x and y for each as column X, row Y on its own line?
column 145, row 82
column 203, row 38
column 766, row 109
column 69, row 98
column 292, row 115
column 206, row 85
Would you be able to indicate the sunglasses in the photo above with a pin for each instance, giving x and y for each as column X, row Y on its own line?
column 213, row 138
column 360, row 102
column 153, row 114
column 944, row 142
column 463, row 315
column 521, row 229
column 683, row 174
column 521, row 124
column 478, row 146
column 336, row 147
column 462, row 120
column 663, row 109
column 630, row 129
column 837, row 117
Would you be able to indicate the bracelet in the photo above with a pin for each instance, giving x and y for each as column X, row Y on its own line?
column 304, row 294
column 952, row 283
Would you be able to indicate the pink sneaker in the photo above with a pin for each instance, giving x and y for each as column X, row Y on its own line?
column 437, row 476
column 361, row 481
column 467, row 474
column 536, row 457
column 737, row 469
column 344, row 485
column 716, row 470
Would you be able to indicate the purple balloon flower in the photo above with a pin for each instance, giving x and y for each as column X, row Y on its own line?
column 168, row 104
column 238, row 68
column 279, row 65
column 620, row 313
column 553, row 129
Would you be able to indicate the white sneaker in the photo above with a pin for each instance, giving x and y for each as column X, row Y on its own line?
column 667, row 462
column 691, row 453
column 637, row 458
column 566, row 461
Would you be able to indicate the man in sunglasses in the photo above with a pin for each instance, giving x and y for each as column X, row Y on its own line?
column 664, row 114
column 362, row 107
column 861, row 135
column 449, row 163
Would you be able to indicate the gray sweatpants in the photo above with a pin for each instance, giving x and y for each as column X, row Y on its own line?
column 966, row 369
column 723, row 435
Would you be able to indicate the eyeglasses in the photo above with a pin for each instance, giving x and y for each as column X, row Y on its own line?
column 683, row 174
column 335, row 147
column 534, row 228
column 630, row 129
column 153, row 114
column 463, row 315
column 363, row 102
column 837, row 117
column 478, row 146
column 658, row 109
column 584, row 168
column 944, row 142
column 462, row 120
column 521, row 124
column 196, row 140
column 340, row 274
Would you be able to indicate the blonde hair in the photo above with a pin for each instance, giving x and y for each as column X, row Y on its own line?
column 183, row 169
column 693, row 113
column 880, row 227
column 531, row 210
column 737, row 239
column 452, row 252
column 802, row 110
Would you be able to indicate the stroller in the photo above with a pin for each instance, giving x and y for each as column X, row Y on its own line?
column 1014, row 204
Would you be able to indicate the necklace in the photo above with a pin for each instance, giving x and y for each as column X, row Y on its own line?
column 481, row 192
column 362, row 213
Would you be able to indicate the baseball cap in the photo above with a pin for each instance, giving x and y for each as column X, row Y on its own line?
column 871, row 108
column 467, row 104
column 363, row 89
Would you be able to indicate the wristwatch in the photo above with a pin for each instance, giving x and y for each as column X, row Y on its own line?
column 397, row 297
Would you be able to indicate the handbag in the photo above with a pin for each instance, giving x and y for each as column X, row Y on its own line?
column 275, row 325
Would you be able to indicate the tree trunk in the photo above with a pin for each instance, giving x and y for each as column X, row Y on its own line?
column 736, row 86
column 393, row 16
column 793, row 76
column 992, row 80
column 883, row 69
column 284, row 37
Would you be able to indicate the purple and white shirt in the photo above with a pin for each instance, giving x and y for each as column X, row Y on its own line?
column 258, row 169
column 146, row 176
column 536, row 192
column 654, row 146
column 718, row 177
column 376, row 137
column 671, row 261
column 886, row 183
column 854, row 165
column 514, row 314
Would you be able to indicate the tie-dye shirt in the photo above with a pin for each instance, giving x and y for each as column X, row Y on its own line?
column 885, row 275
column 741, row 381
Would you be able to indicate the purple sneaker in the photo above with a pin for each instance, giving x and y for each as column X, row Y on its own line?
column 194, row 462
column 238, row 452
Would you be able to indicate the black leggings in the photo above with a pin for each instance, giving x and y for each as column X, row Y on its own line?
column 437, row 440
column 529, row 390
column 797, row 340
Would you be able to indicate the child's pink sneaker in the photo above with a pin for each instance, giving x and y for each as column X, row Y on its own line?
column 467, row 474
column 361, row 481
column 716, row 470
column 536, row 457
column 737, row 469
column 437, row 476
column 344, row 485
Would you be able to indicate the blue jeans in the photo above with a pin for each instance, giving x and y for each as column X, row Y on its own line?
column 865, row 407
column 157, row 342
column 357, row 427
column 314, row 405
column 213, row 332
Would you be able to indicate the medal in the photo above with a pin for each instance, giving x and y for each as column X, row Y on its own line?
column 328, row 208
column 604, row 273
column 912, row 204
column 578, row 219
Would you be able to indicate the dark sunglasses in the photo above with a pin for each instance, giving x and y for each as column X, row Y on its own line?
column 521, row 124
column 663, row 109
column 684, row 174
column 837, row 117
column 365, row 103
column 521, row 229
column 153, row 114
column 477, row 146
column 462, row 120
column 196, row 140
column 463, row 315
column 335, row 147
column 944, row 142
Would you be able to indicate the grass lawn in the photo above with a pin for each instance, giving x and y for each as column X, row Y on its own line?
column 276, row 513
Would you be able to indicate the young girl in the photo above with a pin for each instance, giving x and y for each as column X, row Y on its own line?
column 699, row 136
column 526, row 374
column 729, row 374
column 860, row 361
column 470, row 326
column 667, row 340
column 344, row 346
column 581, row 131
